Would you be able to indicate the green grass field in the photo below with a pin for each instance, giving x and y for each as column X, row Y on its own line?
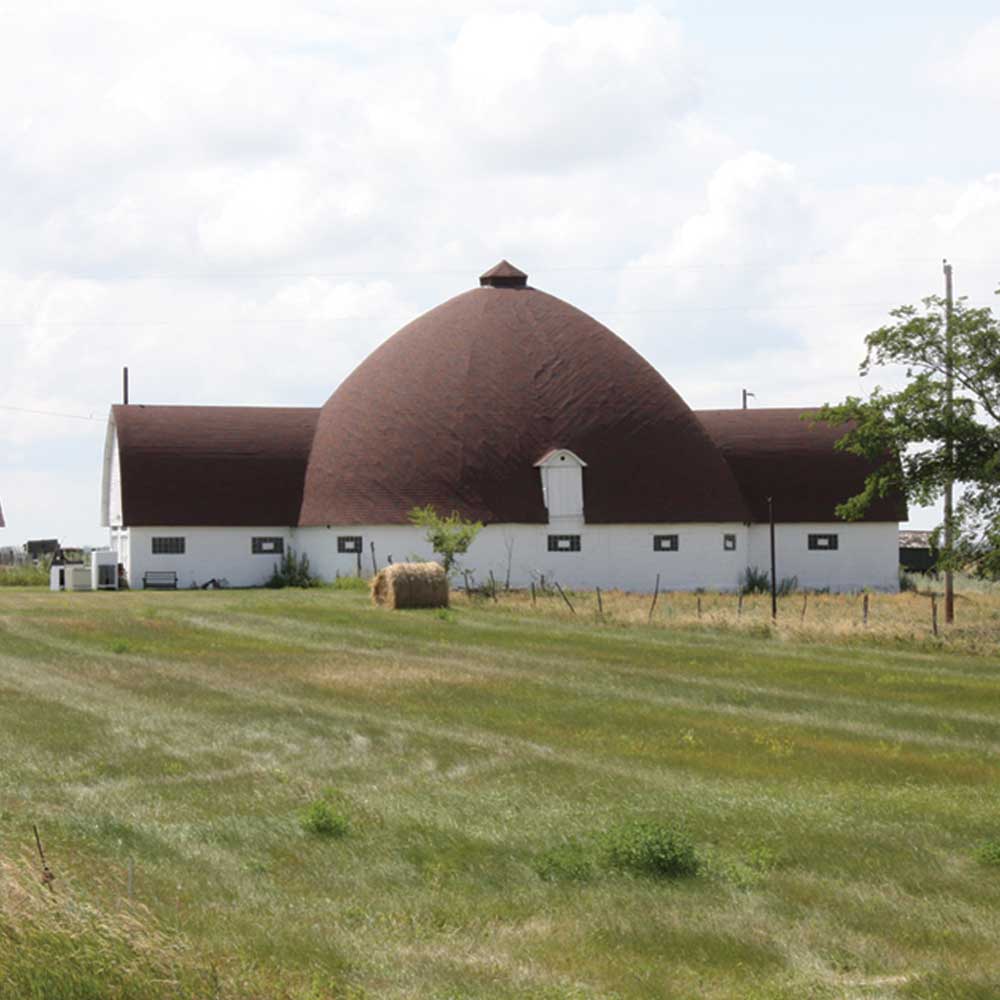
column 841, row 794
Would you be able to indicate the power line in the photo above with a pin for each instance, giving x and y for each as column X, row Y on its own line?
column 51, row 413
column 745, row 307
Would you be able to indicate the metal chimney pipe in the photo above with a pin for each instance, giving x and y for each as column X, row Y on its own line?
column 125, row 385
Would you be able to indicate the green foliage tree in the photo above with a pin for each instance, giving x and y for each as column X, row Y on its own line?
column 449, row 536
column 916, row 440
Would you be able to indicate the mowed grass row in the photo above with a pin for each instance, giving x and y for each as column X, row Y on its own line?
column 838, row 795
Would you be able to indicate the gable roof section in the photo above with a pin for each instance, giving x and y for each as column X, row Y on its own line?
column 212, row 465
column 775, row 452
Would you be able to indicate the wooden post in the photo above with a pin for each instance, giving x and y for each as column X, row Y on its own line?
column 565, row 598
column 374, row 564
column 774, row 568
column 805, row 601
column 934, row 627
column 864, row 612
column 47, row 877
column 699, row 605
column 656, row 593
column 359, row 563
column 739, row 605
column 600, row 605
column 532, row 593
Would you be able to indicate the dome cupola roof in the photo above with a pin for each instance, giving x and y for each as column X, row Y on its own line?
column 456, row 409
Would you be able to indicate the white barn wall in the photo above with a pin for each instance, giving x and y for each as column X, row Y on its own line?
column 867, row 555
column 611, row 556
column 209, row 552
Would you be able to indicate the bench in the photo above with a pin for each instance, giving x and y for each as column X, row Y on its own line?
column 159, row 579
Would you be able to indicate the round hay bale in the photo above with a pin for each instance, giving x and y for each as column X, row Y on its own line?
column 411, row 585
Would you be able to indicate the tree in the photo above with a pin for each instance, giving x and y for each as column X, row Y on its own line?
column 917, row 441
column 449, row 536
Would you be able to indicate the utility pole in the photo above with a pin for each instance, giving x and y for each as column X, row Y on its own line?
column 949, row 486
column 746, row 395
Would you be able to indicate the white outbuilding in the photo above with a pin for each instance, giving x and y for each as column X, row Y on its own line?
column 513, row 408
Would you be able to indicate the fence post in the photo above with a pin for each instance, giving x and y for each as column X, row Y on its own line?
column 805, row 601
column 864, row 612
column 565, row 598
column 699, row 605
column 656, row 593
column 532, row 593
column 600, row 605
column 739, row 605
column 934, row 625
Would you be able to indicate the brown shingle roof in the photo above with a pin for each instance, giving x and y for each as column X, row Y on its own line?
column 775, row 452
column 458, row 406
column 212, row 465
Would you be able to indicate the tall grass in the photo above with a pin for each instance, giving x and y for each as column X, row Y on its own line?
column 24, row 576
column 59, row 946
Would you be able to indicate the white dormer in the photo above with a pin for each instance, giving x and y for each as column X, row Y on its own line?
column 562, row 484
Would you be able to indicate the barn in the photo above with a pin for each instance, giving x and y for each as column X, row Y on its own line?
column 513, row 408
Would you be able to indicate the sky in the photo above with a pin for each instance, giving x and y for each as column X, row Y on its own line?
column 240, row 200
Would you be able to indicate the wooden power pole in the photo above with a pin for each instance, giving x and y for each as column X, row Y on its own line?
column 949, row 487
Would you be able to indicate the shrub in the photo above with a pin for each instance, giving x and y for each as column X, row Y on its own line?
column 350, row 583
column 989, row 852
column 651, row 848
column 323, row 820
column 906, row 582
column 449, row 536
column 755, row 580
column 292, row 571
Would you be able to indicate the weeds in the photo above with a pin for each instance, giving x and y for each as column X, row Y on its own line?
column 322, row 819
column 989, row 852
column 292, row 571
column 645, row 847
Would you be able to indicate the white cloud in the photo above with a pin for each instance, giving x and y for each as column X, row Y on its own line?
column 240, row 200
column 976, row 66
column 536, row 92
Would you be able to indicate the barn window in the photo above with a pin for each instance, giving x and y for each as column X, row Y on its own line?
column 349, row 543
column 267, row 546
column 564, row 543
column 729, row 543
column 823, row 543
column 170, row 546
column 666, row 543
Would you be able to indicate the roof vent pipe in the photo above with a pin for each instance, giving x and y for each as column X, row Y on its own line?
column 125, row 385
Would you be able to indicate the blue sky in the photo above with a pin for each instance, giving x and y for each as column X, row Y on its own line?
column 241, row 200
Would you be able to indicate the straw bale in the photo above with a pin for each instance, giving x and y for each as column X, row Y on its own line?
column 411, row 585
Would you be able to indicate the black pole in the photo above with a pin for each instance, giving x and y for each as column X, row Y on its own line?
column 774, row 574
column 125, row 385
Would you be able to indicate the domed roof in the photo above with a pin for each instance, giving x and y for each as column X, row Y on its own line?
column 456, row 408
